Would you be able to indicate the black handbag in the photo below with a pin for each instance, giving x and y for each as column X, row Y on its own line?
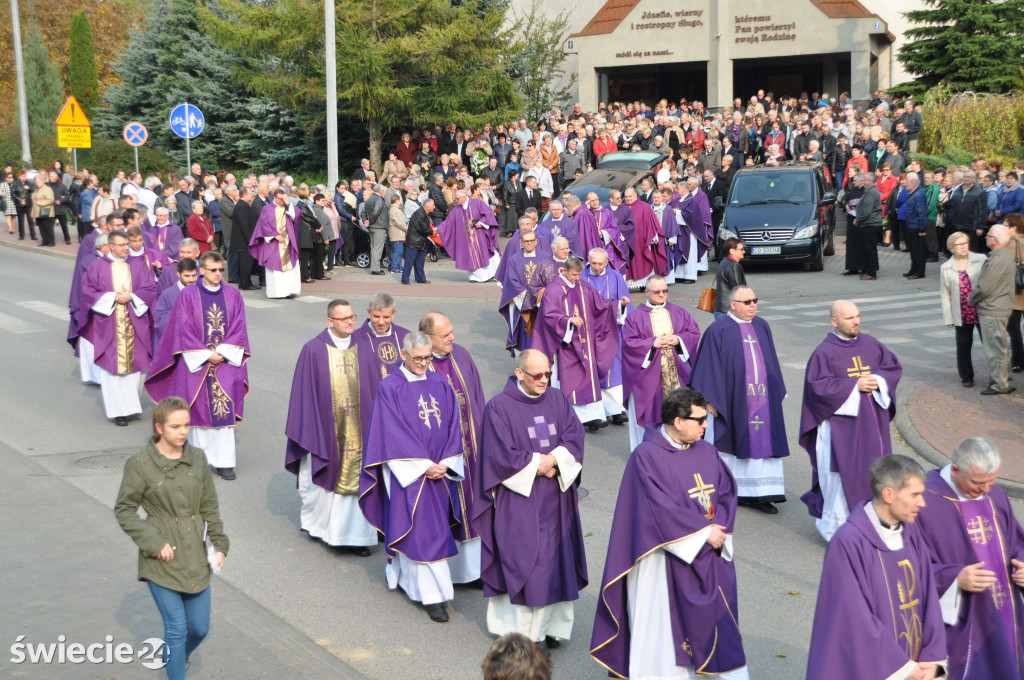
column 1018, row 279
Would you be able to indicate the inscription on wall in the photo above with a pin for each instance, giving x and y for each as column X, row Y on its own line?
column 754, row 29
column 662, row 21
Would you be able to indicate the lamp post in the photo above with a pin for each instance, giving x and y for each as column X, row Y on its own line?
column 19, row 66
column 332, row 96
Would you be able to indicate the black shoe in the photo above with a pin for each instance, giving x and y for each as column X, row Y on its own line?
column 478, row 584
column 121, row 421
column 907, row 274
column 967, row 383
column 423, row 281
column 552, row 642
column 620, row 419
column 595, row 425
column 913, row 277
column 437, row 613
column 406, row 283
column 227, row 473
column 766, row 507
column 932, row 259
column 689, row 281
column 850, row 272
column 307, row 280
column 1017, row 369
column 992, row 390
column 380, row 273
column 360, row 550
column 248, row 288
column 67, row 243
column 543, row 646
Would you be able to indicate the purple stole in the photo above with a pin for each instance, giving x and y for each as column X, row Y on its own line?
column 215, row 324
column 905, row 597
column 385, row 351
column 979, row 518
column 610, row 289
column 470, row 247
column 759, row 428
column 584, row 389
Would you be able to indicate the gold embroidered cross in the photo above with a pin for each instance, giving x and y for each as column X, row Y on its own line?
column 979, row 531
column 859, row 369
column 757, row 423
column 702, row 492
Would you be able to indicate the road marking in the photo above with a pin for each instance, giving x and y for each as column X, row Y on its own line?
column 796, row 364
column 876, row 318
column 13, row 324
column 911, row 326
column 257, row 303
column 822, row 305
column 896, row 341
column 311, row 299
column 47, row 308
column 941, row 335
column 774, row 317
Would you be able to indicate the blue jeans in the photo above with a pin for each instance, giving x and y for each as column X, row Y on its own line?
column 839, row 180
column 719, row 315
column 397, row 247
column 414, row 259
column 186, row 622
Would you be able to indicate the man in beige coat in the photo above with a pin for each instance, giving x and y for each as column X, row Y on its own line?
column 397, row 228
column 993, row 298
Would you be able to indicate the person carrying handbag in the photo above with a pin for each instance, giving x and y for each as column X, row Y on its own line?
column 730, row 274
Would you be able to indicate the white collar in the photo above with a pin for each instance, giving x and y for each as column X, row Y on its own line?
column 947, row 476
column 212, row 290
column 842, row 338
column 519, row 384
column 410, row 376
column 181, row 286
column 893, row 538
column 661, row 306
column 533, row 254
column 381, row 335
column 737, row 319
column 111, row 257
column 340, row 343
column 567, row 282
column 677, row 446
column 137, row 253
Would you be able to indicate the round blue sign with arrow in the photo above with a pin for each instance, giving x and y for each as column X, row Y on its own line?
column 187, row 121
column 135, row 133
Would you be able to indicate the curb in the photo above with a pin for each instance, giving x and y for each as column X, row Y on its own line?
column 921, row 447
column 48, row 252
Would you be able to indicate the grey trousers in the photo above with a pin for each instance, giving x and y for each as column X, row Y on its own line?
column 997, row 350
column 378, row 237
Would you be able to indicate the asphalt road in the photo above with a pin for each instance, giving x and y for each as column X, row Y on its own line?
column 339, row 600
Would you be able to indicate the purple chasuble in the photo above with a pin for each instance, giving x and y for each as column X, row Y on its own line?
column 273, row 255
column 611, row 285
column 202, row 320
column 471, row 247
column 515, row 245
column 75, row 298
column 985, row 642
column 532, row 548
column 166, row 238
column 696, row 210
column 722, row 372
column 460, row 371
column 518, row 276
column 618, row 250
column 671, row 229
column 857, row 441
column 648, row 257
column 162, row 311
column 647, row 387
column 877, row 608
column 584, row 361
column 624, row 221
column 168, row 278
column 315, row 411
column 567, row 229
column 123, row 341
column 385, row 351
column 666, row 495
column 412, row 420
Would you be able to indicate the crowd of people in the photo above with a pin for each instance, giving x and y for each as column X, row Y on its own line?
column 392, row 438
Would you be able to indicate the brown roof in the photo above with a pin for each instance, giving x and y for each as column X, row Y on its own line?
column 613, row 12
column 608, row 17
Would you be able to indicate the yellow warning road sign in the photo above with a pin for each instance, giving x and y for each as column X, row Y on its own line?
column 74, row 137
column 72, row 114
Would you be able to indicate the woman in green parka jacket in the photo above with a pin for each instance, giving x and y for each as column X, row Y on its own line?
column 171, row 480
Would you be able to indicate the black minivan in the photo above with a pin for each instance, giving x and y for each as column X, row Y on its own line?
column 782, row 213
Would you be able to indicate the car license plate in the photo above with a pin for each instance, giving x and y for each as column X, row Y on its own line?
column 766, row 250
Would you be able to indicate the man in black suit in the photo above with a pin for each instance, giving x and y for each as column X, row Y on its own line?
column 243, row 222
column 361, row 172
column 715, row 189
column 646, row 190
column 446, row 143
column 184, row 199
column 528, row 197
column 966, row 210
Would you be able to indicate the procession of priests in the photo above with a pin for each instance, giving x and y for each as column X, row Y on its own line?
column 400, row 451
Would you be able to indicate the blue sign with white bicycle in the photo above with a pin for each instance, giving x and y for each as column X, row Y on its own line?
column 187, row 121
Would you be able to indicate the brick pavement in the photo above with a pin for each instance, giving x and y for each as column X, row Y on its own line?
column 66, row 568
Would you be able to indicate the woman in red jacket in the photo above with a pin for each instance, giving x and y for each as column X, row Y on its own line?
column 886, row 183
column 200, row 227
column 857, row 160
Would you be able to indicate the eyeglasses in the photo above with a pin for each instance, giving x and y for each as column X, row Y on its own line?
column 419, row 360
column 663, row 291
column 117, row 244
column 961, row 243
column 538, row 376
column 751, row 301
column 350, row 317
column 700, row 421
column 212, row 269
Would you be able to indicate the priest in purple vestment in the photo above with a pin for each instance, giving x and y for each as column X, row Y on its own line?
column 559, row 224
column 671, row 539
column 155, row 260
column 666, row 217
column 187, row 271
column 328, row 414
column 188, row 248
column 514, row 245
column 519, row 268
column 526, row 510
column 382, row 338
column 977, row 548
column 165, row 235
column 412, row 459
column 275, row 245
column 696, row 233
column 202, row 357
column 470, row 235
column 738, row 370
column 83, row 348
column 454, row 363
column 576, row 329
column 659, row 343
column 649, row 251
column 117, row 293
column 611, row 285
column 623, row 220
column 848, row 403
column 608, row 227
column 878, row 613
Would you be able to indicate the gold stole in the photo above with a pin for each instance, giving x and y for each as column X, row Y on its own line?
column 661, row 321
column 344, row 367
column 282, row 230
column 121, row 275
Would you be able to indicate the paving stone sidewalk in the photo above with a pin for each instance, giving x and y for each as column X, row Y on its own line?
column 66, row 568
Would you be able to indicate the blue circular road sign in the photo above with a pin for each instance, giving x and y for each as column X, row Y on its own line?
column 135, row 133
column 187, row 121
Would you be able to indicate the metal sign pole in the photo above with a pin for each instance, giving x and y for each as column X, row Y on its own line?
column 136, row 149
column 188, row 156
column 74, row 160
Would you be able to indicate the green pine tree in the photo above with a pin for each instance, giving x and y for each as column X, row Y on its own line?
column 969, row 44
column 173, row 61
column 82, row 75
column 535, row 60
column 44, row 94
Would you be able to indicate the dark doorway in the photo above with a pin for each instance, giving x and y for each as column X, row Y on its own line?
column 651, row 83
column 785, row 76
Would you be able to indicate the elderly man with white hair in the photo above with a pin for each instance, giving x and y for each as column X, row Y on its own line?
column 993, row 296
column 914, row 213
column 977, row 548
column 470, row 235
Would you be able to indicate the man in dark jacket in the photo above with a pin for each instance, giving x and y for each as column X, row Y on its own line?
column 965, row 210
column 716, row 190
column 869, row 221
column 528, row 197
column 227, row 221
column 60, row 203
column 243, row 222
column 730, row 274
column 375, row 218
column 915, row 215
column 436, row 193
column 419, row 231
